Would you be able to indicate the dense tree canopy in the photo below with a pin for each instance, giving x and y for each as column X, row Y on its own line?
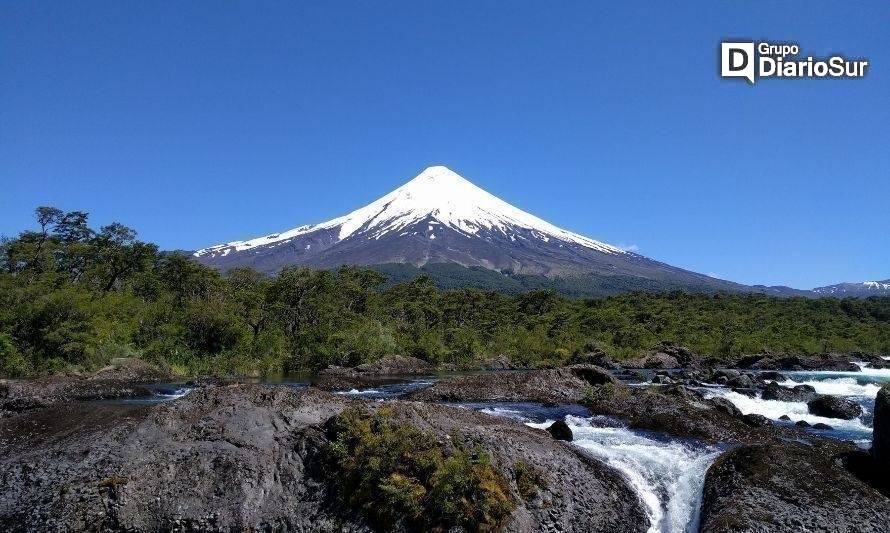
column 72, row 297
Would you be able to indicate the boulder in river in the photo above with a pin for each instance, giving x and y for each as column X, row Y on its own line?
column 559, row 430
column 772, row 375
column 787, row 487
column 661, row 379
column 725, row 406
column 755, row 420
column 776, row 392
column 742, row 381
column 834, row 407
column 728, row 373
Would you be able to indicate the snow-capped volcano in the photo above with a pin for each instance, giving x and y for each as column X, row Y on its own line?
column 440, row 217
column 437, row 195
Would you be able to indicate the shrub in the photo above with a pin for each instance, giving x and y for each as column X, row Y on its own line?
column 401, row 476
column 528, row 479
column 12, row 364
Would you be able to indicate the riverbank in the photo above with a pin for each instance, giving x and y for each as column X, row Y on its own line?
column 222, row 456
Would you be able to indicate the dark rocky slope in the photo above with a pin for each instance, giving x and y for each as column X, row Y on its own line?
column 881, row 442
column 788, row 487
column 248, row 457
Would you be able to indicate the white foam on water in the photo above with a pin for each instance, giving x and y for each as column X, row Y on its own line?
column 668, row 475
column 878, row 375
column 838, row 387
column 356, row 392
column 773, row 409
column 503, row 412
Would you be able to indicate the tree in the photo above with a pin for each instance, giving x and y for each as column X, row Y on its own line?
column 119, row 254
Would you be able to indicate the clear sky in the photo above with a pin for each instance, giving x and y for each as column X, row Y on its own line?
column 204, row 122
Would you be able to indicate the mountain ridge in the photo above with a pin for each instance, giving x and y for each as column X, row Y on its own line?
column 440, row 217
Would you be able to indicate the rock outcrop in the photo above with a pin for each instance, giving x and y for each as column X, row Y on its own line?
column 124, row 378
column 249, row 457
column 881, row 440
column 553, row 386
column 800, row 393
column 787, row 487
column 771, row 361
column 835, row 407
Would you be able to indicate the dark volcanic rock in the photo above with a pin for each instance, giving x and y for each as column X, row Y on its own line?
column 835, row 407
column 728, row 373
column 554, row 386
column 772, row 375
column 674, row 414
column 682, row 392
column 769, row 361
column 755, row 420
column 656, row 360
column 666, row 355
column 743, row 381
column 198, row 463
column 787, row 487
column 594, row 357
column 725, row 406
column 124, row 378
column 501, row 362
column 242, row 458
column 660, row 379
column 821, row 425
column 881, row 440
column 560, row 431
column 801, row 393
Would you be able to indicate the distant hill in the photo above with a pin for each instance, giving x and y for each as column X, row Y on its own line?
column 863, row 289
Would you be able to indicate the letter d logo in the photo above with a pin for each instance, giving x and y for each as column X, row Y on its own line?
column 737, row 60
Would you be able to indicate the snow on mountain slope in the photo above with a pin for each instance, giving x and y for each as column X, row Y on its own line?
column 441, row 218
column 865, row 288
column 436, row 194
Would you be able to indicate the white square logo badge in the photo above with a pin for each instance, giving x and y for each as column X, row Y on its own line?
column 737, row 60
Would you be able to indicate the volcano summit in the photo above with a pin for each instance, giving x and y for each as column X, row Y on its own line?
column 440, row 217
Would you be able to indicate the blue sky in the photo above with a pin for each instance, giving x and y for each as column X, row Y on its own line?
column 203, row 122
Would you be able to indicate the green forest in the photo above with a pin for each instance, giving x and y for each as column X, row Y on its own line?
column 72, row 298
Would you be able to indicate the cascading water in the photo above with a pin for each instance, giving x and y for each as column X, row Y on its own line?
column 668, row 474
column 391, row 390
column 859, row 386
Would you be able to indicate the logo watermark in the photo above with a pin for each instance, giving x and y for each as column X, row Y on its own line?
column 756, row 61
